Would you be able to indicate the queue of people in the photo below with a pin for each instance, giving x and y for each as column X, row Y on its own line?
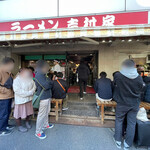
column 22, row 89
column 126, row 90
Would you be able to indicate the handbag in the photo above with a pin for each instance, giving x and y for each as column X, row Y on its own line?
column 36, row 98
column 142, row 133
column 8, row 84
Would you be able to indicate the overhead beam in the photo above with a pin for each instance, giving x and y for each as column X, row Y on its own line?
column 27, row 45
column 90, row 40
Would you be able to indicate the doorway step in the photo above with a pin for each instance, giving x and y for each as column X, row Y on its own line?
column 82, row 112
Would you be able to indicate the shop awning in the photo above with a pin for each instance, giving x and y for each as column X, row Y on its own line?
column 118, row 32
column 103, row 25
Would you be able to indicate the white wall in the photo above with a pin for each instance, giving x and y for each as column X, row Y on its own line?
column 70, row 7
column 27, row 9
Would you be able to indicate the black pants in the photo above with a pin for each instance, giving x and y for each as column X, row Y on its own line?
column 130, row 113
column 5, row 110
column 82, row 84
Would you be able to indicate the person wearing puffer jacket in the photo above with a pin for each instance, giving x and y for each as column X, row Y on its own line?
column 147, row 89
column 24, row 88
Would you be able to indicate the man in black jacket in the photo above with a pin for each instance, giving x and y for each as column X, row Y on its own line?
column 127, row 95
column 103, row 88
column 59, row 89
column 83, row 74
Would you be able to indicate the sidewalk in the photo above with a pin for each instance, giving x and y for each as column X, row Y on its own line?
column 61, row 137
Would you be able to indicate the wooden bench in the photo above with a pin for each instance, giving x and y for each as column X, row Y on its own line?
column 57, row 108
column 103, row 104
column 54, row 111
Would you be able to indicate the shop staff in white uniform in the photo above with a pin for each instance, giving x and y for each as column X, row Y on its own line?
column 57, row 67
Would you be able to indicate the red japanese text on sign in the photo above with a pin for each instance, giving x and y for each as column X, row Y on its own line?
column 76, row 22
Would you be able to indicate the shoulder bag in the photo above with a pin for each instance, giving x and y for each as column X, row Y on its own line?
column 36, row 98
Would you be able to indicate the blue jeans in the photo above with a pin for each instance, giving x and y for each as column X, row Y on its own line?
column 5, row 110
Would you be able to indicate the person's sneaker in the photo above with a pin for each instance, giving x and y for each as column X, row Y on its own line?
column 84, row 92
column 126, row 146
column 28, row 125
column 81, row 98
column 118, row 144
column 22, row 129
column 5, row 133
column 49, row 126
column 41, row 136
column 66, row 108
column 10, row 127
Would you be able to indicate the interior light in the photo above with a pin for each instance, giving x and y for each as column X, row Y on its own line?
column 129, row 40
column 103, row 41
column 123, row 40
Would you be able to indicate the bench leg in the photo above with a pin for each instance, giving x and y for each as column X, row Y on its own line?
column 56, row 110
column 61, row 108
column 102, row 114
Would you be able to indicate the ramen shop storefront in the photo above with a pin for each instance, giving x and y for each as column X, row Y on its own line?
column 109, row 38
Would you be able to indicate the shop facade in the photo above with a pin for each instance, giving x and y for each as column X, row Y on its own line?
column 112, row 37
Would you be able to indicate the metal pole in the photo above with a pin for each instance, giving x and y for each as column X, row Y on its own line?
column 57, row 8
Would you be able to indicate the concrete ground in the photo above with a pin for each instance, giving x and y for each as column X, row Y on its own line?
column 62, row 137
column 85, row 107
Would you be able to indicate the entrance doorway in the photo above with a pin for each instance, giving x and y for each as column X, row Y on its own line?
column 86, row 106
column 73, row 61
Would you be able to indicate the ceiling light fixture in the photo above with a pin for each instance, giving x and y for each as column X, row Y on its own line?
column 129, row 40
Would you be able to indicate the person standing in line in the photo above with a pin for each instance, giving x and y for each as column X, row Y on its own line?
column 128, row 87
column 6, row 95
column 24, row 88
column 32, row 71
column 103, row 88
column 83, row 74
column 43, row 83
